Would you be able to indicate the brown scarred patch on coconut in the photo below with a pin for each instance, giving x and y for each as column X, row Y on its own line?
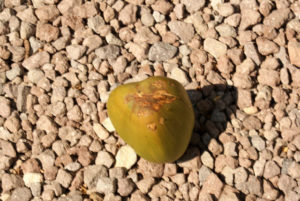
column 151, row 101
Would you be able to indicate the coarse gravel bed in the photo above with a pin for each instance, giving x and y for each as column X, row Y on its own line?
column 239, row 61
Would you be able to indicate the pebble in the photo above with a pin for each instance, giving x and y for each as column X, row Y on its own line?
column 100, row 131
column 35, row 75
column 229, row 194
column 269, row 191
column 252, row 122
column 64, row 178
column 47, row 13
column 92, row 173
column 10, row 182
column 270, row 134
column 294, row 170
column 128, row 14
column 46, row 32
column 271, row 169
column 258, row 142
column 30, row 178
column 204, row 172
column 27, row 15
column 104, row 158
column 193, row 5
column 249, row 17
column 214, row 47
column 293, row 50
column 149, row 169
column 21, row 194
column 161, row 52
column 37, row 60
column 106, row 185
column 47, row 124
column 162, row 6
column 125, row 186
column 268, row 77
column 212, row 185
column 277, row 18
column 179, row 75
column 14, row 72
column 254, row 185
column 5, row 107
column 108, row 125
column 258, row 167
column 184, row 31
column 207, row 160
column 75, row 51
column 228, row 174
column 158, row 17
column 240, row 175
column 225, row 9
column 251, row 51
column 12, row 123
column 108, row 52
column 266, row 47
column 145, row 184
column 112, row 197
column 125, row 157
column 214, row 147
column 190, row 159
column 286, row 183
column 226, row 30
column 230, row 149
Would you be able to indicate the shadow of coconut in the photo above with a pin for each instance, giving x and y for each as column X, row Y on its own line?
column 214, row 106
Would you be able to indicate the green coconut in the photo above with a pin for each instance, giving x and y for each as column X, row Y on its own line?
column 154, row 116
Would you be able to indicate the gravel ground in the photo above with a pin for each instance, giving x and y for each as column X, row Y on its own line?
column 239, row 60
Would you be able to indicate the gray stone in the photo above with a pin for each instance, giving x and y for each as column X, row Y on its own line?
column 108, row 52
column 161, row 52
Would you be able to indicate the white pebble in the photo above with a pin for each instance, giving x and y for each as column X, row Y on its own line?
column 126, row 157
column 108, row 125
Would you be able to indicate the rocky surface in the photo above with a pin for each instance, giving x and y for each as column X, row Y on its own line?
column 237, row 59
